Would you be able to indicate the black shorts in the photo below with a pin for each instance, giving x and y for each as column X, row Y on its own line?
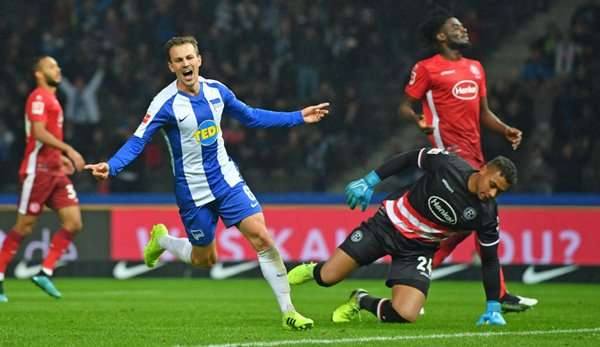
column 377, row 237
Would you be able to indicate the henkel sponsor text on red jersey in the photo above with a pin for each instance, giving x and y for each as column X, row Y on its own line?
column 528, row 235
column 450, row 92
column 42, row 106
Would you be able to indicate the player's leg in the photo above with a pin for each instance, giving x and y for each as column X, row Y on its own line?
column 197, row 249
column 404, row 307
column 273, row 269
column 35, row 190
column 409, row 278
column 22, row 228
column 61, row 240
column 363, row 246
column 63, row 199
column 239, row 207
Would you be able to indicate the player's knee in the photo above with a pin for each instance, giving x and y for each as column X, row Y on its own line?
column 23, row 229
column 260, row 241
column 74, row 226
column 203, row 261
column 324, row 278
column 407, row 313
column 390, row 313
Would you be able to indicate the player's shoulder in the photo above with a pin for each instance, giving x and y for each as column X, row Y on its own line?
column 165, row 94
column 427, row 61
column 213, row 83
column 37, row 94
column 444, row 158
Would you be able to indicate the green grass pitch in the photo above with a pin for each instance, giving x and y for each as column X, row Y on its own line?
column 199, row 312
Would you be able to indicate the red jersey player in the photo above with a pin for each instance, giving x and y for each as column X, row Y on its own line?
column 43, row 176
column 453, row 93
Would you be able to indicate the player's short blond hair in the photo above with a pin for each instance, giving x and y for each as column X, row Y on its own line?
column 178, row 41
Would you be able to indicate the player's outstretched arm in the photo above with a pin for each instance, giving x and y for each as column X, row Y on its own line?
column 99, row 171
column 314, row 114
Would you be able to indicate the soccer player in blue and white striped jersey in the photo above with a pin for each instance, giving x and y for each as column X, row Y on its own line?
column 208, row 184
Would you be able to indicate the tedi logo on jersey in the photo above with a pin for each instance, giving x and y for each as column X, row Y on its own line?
column 207, row 133
column 441, row 209
column 465, row 90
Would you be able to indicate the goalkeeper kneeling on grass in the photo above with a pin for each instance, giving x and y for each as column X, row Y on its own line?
column 451, row 197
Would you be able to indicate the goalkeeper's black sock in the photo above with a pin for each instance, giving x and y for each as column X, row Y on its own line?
column 381, row 308
column 1, row 287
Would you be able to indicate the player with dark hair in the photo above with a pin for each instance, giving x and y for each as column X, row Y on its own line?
column 450, row 198
column 43, row 176
column 453, row 93
column 208, row 185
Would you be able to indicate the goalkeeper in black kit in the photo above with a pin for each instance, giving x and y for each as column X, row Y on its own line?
column 451, row 197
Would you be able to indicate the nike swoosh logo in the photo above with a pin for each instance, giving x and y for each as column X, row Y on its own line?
column 219, row 272
column 447, row 271
column 253, row 205
column 183, row 118
column 530, row 276
column 122, row 272
column 22, row 270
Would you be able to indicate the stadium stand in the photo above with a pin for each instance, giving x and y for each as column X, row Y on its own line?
column 274, row 54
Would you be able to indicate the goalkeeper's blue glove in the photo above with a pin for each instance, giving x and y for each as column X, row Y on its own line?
column 492, row 315
column 359, row 192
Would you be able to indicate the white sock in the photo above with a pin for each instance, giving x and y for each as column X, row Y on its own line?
column 275, row 273
column 179, row 247
column 1, row 276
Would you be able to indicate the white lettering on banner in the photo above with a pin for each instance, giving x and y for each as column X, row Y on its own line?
column 229, row 241
column 546, row 257
column 508, row 247
column 574, row 241
column 571, row 239
column 280, row 238
column 315, row 247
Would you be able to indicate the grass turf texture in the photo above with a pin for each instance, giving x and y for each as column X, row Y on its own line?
column 195, row 312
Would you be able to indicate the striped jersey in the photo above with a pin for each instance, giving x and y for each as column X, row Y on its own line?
column 440, row 203
column 450, row 92
column 191, row 126
column 42, row 106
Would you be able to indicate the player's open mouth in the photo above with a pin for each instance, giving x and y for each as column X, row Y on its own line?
column 188, row 73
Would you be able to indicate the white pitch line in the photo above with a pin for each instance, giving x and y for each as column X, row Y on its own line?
column 409, row 337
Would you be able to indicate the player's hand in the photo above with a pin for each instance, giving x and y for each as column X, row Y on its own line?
column 492, row 315
column 423, row 126
column 67, row 166
column 314, row 114
column 76, row 158
column 514, row 136
column 99, row 171
column 359, row 192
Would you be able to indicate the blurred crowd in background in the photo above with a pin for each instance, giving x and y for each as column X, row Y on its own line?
column 284, row 55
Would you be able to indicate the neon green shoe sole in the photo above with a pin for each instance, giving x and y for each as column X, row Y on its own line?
column 45, row 284
column 295, row 321
column 301, row 273
column 153, row 250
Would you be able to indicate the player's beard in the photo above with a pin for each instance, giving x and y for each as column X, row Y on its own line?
column 51, row 81
column 459, row 46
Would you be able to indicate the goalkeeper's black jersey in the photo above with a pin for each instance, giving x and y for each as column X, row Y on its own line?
column 439, row 203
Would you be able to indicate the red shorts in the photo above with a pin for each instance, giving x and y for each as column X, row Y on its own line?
column 42, row 189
